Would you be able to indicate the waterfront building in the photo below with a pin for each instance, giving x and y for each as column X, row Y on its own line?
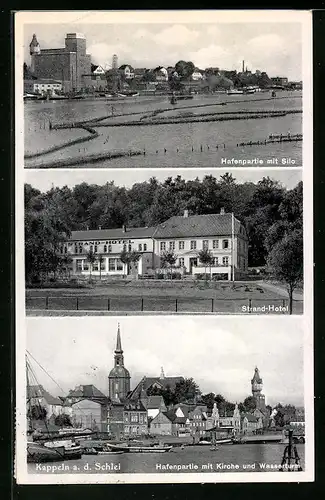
column 70, row 65
column 250, row 424
column 281, row 81
column 148, row 385
column 223, row 235
column 161, row 74
column 38, row 396
column 135, row 419
column 126, row 71
column 43, row 86
column 198, row 75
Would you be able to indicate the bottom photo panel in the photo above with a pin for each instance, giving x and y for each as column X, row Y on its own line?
column 131, row 399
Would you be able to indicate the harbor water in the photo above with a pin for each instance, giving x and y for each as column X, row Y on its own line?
column 191, row 459
column 210, row 143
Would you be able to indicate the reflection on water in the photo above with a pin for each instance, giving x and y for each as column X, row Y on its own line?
column 227, row 458
column 182, row 144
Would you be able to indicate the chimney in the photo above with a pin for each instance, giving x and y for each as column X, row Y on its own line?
column 185, row 214
column 124, row 228
column 243, row 66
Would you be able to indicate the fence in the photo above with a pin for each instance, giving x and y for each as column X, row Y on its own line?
column 162, row 304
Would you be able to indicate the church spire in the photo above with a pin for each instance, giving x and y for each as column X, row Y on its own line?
column 118, row 341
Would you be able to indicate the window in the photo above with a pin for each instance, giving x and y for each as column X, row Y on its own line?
column 111, row 264
column 65, row 249
column 95, row 266
column 119, row 265
column 96, row 248
column 225, row 261
column 205, row 245
column 181, row 262
column 181, row 245
column 172, row 245
column 144, row 247
column 134, row 417
column 80, row 248
column 130, row 247
column 105, row 248
column 140, row 247
column 193, row 245
column 225, row 243
column 86, row 265
column 102, row 265
column 215, row 244
column 79, row 264
column 91, row 248
column 215, row 261
column 162, row 246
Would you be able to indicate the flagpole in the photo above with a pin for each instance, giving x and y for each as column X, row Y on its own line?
column 233, row 246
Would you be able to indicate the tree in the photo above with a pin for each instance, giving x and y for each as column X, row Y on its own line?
column 249, row 404
column 185, row 69
column 206, row 258
column 134, row 258
column 286, row 262
column 168, row 259
column 37, row 412
column 63, row 420
column 208, row 399
column 100, row 261
column 125, row 258
column 91, row 259
column 186, row 390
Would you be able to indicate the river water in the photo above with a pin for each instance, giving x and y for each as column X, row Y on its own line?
column 166, row 145
column 192, row 459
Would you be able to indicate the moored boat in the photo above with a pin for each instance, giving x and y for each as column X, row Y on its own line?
column 235, row 92
column 127, row 448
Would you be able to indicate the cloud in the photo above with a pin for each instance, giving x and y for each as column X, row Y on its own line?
column 213, row 55
column 267, row 44
column 176, row 35
column 102, row 53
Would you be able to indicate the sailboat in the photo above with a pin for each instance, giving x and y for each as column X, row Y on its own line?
column 42, row 447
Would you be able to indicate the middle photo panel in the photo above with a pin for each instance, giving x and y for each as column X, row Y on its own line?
column 151, row 242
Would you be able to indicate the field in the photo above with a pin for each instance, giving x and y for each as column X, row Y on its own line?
column 167, row 297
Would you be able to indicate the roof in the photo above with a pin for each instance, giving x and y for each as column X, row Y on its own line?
column 147, row 382
column 118, row 233
column 155, row 402
column 38, row 391
column 119, row 372
column 256, row 378
column 250, row 417
column 87, row 392
column 197, row 225
column 126, row 66
column 134, row 406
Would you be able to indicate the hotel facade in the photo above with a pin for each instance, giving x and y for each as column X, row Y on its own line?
column 184, row 236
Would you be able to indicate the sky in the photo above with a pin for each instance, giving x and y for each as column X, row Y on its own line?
column 274, row 47
column 44, row 179
column 219, row 353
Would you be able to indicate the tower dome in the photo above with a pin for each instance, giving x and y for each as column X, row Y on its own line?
column 119, row 376
column 34, row 46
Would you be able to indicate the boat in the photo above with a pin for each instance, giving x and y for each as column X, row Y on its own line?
column 31, row 97
column 89, row 451
column 128, row 94
column 235, row 92
column 110, row 452
column 129, row 448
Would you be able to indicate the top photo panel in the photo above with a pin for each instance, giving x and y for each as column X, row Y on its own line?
column 177, row 93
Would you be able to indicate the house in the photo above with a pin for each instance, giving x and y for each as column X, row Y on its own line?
column 223, row 235
column 38, row 396
column 109, row 243
column 85, row 392
column 153, row 404
column 162, row 424
column 161, row 74
column 250, row 424
column 135, row 419
column 198, row 75
column 43, row 86
column 148, row 385
column 126, row 71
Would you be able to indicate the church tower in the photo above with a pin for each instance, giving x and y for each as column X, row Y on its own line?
column 257, row 386
column 34, row 50
column 119, row 376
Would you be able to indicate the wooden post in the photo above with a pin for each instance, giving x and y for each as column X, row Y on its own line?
column 284, row 302
column 212, row 305
column 142, row 304
column 108, row 305
column 176, row 306
column 47, row 302
column 77, row 305
column 249, row 305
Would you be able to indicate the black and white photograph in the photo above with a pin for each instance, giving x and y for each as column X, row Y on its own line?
column 121, row 400
column 198, row 242
column 163, row 95
column 164, row 247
